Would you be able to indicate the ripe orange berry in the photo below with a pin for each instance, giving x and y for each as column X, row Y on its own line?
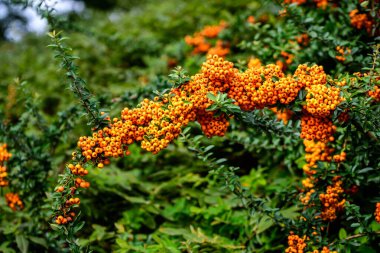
column 360, row 21
column 14, row 201
column 4, row 157
column 377, row 212
column 331, row 200
column 154, row 124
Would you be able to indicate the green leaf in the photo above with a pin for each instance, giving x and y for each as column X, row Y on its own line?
column 173, row 231
column 264, row 224
column 342, row 233
column 78, row 226
column 39, row 240
column 55, row 227
column 5, row 249
column 291, row 212
column 221, row 160
column 313, row 34
column 355, row 225
column 365, row 170
column 211, row 96
column 208, row 148
column 22, row 243
column 364, row 4
column 122, row 244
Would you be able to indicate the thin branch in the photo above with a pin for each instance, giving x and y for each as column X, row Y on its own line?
column 374, row 62
column 353, row 237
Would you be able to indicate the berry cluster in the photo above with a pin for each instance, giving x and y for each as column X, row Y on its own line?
column 261, row 87
column 325, row 250
column 320, row 129
column 344, row 117
column 316, row 151
column 322, row 100
column 283, row 115
column 377, row 212
column 213, row 126
column 80, row 182
column 338, row 158
column 165, row 122
column 4, row 157
column 199, row 41
column 212, row 31
column 296, row 244
column 77, row 169
column 361, row 20
column 156, row 123
column 66, row 212
column 65, row 219
column 288, row 57
column 216, row 75
column 254, row 63
column 308, row 182
column 375, row 93
column 303, row 39
column 342, row 53
column 332, row 202
column 14, row 201
column 320, row 3
column 72, row 201
column 299, row 2
column 305, row 198
column 308, row 76
column 251, row 19
column 221, row 48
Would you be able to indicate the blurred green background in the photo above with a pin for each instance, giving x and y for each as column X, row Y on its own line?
column 168, row 202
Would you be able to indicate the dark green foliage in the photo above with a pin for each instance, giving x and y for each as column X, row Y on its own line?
column 239, row 193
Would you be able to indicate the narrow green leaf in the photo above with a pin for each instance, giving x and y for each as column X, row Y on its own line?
column 22, row 243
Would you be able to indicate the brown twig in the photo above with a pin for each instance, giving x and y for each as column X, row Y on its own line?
column 354, row 237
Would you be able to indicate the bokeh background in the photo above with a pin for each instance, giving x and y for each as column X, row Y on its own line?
column 167, row 202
